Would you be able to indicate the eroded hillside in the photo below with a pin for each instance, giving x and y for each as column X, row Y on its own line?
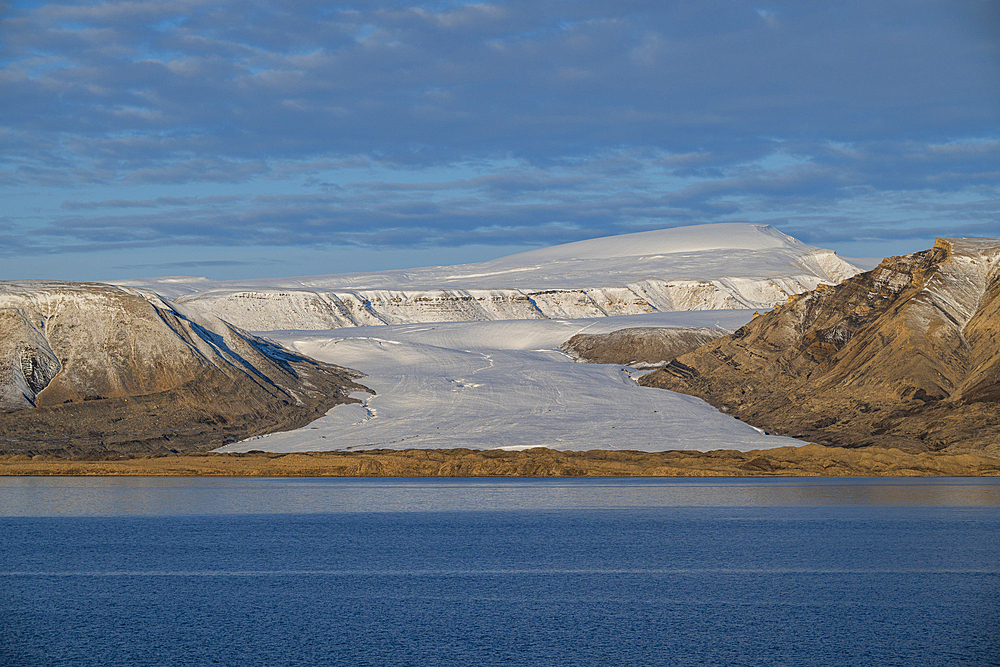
column 87, row 367
column 906, row 355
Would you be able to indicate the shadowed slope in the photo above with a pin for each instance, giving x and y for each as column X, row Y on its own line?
column 86, row 367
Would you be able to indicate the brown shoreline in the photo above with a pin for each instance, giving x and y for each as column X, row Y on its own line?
column 805, row 461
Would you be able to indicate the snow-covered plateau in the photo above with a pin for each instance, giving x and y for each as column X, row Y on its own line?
column 703, row 267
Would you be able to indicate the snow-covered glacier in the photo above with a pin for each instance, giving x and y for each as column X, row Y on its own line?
column 703, row 267
column 506, row 384
column 469, row 355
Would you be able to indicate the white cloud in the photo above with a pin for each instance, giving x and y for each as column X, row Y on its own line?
column 770, row 17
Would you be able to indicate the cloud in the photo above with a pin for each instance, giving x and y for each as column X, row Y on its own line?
column 510, row 205
column 770, row 17
column 394, row 123
column 159, row 202
column 197, row 264
column 234, row 83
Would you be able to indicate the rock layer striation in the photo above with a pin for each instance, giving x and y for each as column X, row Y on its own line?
column 906, row 355
column 87, row 367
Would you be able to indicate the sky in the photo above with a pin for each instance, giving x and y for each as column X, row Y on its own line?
column 264, row 138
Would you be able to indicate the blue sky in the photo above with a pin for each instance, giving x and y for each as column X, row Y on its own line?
column 272, row 138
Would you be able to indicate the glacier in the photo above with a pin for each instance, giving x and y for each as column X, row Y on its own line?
column 468, row 355
column 505, row 384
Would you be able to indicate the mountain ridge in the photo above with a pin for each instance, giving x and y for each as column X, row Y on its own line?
column 702, row 267
column 94, row 367
column 906, row 355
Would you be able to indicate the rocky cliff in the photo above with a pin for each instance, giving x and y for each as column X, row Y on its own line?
column 86, row 367
column 262, row 310
column 906, row 355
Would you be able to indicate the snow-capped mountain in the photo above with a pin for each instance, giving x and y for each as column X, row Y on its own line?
column 455, row 356
column 704, row 267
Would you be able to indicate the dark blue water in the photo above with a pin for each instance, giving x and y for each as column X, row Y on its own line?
column 499, row 572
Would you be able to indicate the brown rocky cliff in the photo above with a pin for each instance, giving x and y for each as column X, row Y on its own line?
column 906, row 355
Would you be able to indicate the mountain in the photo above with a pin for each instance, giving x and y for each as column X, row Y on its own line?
column 87, row 367
column 167, row 364
column 906, row 355
column 703, row 267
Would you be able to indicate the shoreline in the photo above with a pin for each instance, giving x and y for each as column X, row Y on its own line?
column 804, row 461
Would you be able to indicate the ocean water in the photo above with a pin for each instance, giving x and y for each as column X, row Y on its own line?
column 176, row 571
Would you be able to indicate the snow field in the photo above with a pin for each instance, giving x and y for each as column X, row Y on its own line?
column 702, row 267
column 694, row 253
column 505, row 384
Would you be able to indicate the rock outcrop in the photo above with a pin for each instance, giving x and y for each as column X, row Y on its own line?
column 87, row 367
column 265, row 310
column 906, row 355
column 639, row 347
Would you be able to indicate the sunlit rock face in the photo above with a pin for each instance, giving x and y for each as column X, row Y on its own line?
column 639, row 347
column 907, row 354
column 704, row 267
column 87, row 366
